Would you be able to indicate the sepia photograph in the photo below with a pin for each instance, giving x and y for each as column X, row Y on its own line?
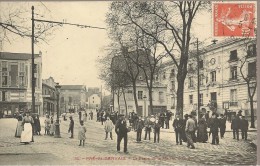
column 128, row 82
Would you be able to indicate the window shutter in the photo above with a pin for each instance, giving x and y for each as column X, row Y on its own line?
column 0, row 95
column 8, row 96
column 17, row 81
column 0, row 65
column 9, row 80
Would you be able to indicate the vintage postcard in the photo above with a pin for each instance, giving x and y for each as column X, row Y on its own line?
column 128, row 83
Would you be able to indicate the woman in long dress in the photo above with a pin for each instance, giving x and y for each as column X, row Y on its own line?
column 82, row 134
column 202, row 130
column 27, row 134
column 19, row 127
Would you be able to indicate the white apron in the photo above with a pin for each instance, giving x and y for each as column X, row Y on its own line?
column 26, row 135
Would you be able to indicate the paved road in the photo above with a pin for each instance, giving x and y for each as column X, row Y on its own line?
column 97, row 151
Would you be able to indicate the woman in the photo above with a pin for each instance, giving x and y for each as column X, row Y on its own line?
column 202, row 130
column 37, row 125
column 27, row 134
column 19, row 127
column 109, row 127
column 82, row 134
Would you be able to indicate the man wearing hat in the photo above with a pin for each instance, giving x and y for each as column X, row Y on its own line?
column 222, row 122
column 71, row 127
column 214, row 129
column 178, row 127
column 121, row 131
column 244, row 127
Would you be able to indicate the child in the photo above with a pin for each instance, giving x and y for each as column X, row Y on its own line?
column 52, row 127
column 47, row 125
column 81, row 134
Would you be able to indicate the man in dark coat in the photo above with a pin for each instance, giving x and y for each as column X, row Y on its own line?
column 71, row 127
column 214, row 129
column 222, row 125
column 139, row 129
column 244, row 127
column 121, row 131
column 37, row 125
column 161, row 119
column 156, row 129
column 148, row 126
column 167, row 119
column 178, row 127
column 235, row 126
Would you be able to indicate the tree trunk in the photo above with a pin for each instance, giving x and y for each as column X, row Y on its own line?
column 180, row 90
column 151, row 100
column 251, row 101
column 125, row 104
column 135, row 96
column 118, row 97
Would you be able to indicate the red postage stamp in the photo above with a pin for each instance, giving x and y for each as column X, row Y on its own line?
column 234, row 19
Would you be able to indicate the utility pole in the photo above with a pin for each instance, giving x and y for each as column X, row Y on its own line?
column 33, row 65
column 101, row 100
column 198, row 74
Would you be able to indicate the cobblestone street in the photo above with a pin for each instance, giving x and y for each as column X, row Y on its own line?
column 49, row 150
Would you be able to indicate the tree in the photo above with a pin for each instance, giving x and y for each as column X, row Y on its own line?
column 175, row 22
column 249, row 76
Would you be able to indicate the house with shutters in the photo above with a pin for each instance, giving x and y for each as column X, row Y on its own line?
column 16, row 84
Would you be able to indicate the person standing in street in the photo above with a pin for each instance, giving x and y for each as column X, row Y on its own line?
column 202, row 135
column 109, row 127
column 156, row 130
column 162, row 118
column 178, row 125
column 139, row 129
column 167, row 119
column 71, row 127
column 37, row 125
column 19, row 127
column 189, row 129
column 222, row 123
column 27, row 133
column 244, row 127
column 47, row 123
column 235, row 126
column 147, row 128
column 82, row 134
column 214, row 129
column 121, row 131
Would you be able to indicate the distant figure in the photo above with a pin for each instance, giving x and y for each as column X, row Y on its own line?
column 235, row 126
column 178, row 126
column 244, row 127
column 121, row 131
column 19, row 127
column 222, row 123
column 82, row 134
column 47, row 123
column 190, row 129
column 37, row 125
column 108, row 128
column 156, row 130
column 91, row 115
column 71, row 127
column 202, row 135
column 52, row 127
column 27, row 133
column 148, row 127
column 139, row 129
column 214, row 129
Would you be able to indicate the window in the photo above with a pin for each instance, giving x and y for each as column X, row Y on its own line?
column 4, row 66
column 201, row 64
column 251, row 51
column 213, row 76
column 140, row 95
column 62, row 100
column 191, row 99
column 5, row 80
column 22, row 67
column 161, row 96
column 233, row 72
column 172, row 73
column 233, row 97
column 201, row 79
column 233, row 55
column 129, row 91
column 201, row 99
column 172, row 102
column 252, row 69
column 21, row 80
column 4, row 95
column 190, row 81
column 70, row 99
column 172, row 85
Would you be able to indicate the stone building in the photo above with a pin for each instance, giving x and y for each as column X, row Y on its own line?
column 49, row 96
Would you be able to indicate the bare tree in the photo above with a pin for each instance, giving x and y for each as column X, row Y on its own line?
column 175, row 20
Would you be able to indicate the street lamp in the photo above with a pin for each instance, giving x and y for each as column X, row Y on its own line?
column 57, row 124
column 144, row 104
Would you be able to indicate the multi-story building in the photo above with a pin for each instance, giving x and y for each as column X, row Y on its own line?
column 222, row 67
column 93, row 98
column 49, row 96
column 16, row 84
column 72, row 97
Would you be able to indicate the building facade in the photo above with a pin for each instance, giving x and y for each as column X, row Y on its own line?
column 223, row 68
column 72, row 97
column 49, row 96
column 144, row 109
column 16, row 84
column 93, row 98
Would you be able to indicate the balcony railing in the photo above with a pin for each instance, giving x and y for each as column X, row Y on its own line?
column 233, row 103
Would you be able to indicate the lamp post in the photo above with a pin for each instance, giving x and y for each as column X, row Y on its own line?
column 144, row 104
column 57, row 124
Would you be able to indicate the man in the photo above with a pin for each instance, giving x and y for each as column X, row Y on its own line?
column 222, row 125
column 244, row 127
column 235, row 126
column 214, row 129
column 147, row 125
column 121, row 131
column 139, row 129
column 167, row 119
column 161, row 119
column 178, row 126
column 189, row 129
column 71, row 127
column 156, row 129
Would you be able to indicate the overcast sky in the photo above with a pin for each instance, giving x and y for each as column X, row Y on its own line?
column 70, row 56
